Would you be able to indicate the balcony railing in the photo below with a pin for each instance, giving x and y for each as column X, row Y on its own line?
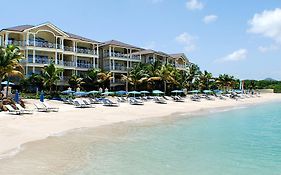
column 86, row 51
column 66, row 63
column 85, row 65
column 16, row 43
column 180, row 65
column 117, row 81
column 44, row 44
column 116, row 67
column 67, row 48
column 121, row 55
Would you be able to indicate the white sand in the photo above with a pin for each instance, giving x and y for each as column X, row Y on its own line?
column 17, row 130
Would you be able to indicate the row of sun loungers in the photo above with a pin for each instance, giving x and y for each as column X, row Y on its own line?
column 41, row 107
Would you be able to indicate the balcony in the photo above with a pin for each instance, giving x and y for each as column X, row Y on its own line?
column 69, row 49
column 86, row 51
column 85, row 65
column 181, row 66
column 116, row 68
column 66, row 63
column 39, row 60
column 17, row 43
column 44, row 44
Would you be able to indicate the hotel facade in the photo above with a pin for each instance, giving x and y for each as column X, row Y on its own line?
column 45, row 43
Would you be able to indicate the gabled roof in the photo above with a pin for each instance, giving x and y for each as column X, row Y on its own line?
column 149, row 51
column 80, row 38
column 179, row 55
column 19, row 28
column 22, row 28
column 119, row 43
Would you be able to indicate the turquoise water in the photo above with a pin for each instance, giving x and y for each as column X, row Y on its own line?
column 242, row 141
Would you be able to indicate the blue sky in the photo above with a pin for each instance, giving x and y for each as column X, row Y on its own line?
column 238, row 37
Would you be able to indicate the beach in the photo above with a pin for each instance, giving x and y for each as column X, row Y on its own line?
column 17, row 130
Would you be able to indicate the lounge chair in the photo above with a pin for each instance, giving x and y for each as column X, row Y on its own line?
column 79, row 104
column 177, row 99
column 159, row 100
column 94, row 101
column 107, row 102
column 134, row 101
column 12, row 110
column 41, row 108
column 121, row 99
column 88, row 103
column 23, row 110
column 50, row 108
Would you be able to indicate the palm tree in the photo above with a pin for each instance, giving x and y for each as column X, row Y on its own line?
column 167, row 75
column 153, row 72
column 204, row 80
column 51, row 75
column 75, row 81
column 9, row 62
column 225, row 81
column 104, row 78
column 193, row 72
column 136, row 75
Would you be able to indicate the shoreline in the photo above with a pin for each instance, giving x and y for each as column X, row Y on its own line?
column 16, row 131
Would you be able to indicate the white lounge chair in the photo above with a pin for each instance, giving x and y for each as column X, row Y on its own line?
column 79, row 104
column 41, row 108
column 107, row 102
column 12, row 110
column 88, row 103
column 134, row 101
column 50, row 108
column 23, row 110
column 159, row 100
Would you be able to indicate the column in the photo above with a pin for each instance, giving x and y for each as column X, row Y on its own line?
column 94, row 62
column 153, row 58
column 113, row 75
column 62, row 43
column 113, row 64
column 130, row 53
column 33, row 69
column 73, row 45
column 109, row 64
column 27, row 39
column 97, row 50
column 33, row 56
column 6, row 38
column 109, row 51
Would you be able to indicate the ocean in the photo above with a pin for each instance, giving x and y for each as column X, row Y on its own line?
column 238, row 141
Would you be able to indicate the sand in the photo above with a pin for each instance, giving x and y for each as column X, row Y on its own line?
column 17, row 130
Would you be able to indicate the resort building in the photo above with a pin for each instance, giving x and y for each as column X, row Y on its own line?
column 117, row 57
column 46, row 43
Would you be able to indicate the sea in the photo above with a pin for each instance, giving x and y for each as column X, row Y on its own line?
column 237, row 141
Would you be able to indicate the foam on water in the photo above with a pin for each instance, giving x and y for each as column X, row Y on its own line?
column 242, row 141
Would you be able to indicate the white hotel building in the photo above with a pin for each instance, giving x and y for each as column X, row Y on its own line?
column 44, row 43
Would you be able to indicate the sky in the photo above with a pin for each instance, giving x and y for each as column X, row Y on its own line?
column 237, row 37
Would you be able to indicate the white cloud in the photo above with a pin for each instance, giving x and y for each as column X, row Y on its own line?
column 265, row 49
column 210, row 18
column 194, row 5
column 237, row 55
column 150, row 45
column 187, row 40
column 267, row 23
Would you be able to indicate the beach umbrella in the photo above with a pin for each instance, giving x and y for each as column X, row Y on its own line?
column 144, row 92
column 17, row 97
column 42, row 96
column 80, row 93
column 194, row 91
column 121, row 92
column 108, row 93
column 93, row 92
column 134, row 93
column 7, row 83
column 218, row 91
column 177, row 91
column 157, row 92
column 207, row 91
column 68, row 92
column 237, row 91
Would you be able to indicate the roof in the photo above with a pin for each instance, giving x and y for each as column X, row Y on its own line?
column 179, row 55
column 149, row 51
column 119, row 43
column 80, row 37
column 21, row 28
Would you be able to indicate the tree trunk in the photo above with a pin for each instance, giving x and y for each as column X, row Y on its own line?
column 165, row 86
